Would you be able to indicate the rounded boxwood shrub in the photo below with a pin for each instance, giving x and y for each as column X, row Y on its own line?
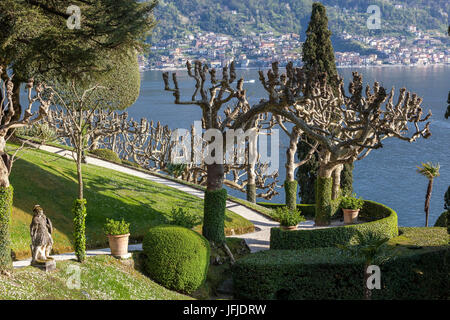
column 106, row 154
column 176, row 257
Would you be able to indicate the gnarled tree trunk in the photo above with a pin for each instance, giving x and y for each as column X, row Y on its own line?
column 337, row 182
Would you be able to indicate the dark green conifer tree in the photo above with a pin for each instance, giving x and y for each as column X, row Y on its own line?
column 318, row 56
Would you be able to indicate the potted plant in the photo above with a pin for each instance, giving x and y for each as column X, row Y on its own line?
column 118, row 233
column 350, row 206
column 289, row 219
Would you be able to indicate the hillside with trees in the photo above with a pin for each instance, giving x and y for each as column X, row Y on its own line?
column 238, row 17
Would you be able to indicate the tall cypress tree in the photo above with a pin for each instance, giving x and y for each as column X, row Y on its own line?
column 318, row 56
column 317, row 51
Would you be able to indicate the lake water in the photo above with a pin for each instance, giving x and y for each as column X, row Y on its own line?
column 387, row 175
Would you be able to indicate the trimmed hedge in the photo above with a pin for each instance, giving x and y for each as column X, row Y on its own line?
column 6, row 197
column 176, row 257
column 106, row 154
column 214, row 215
column 382, row 220
column 329, row 273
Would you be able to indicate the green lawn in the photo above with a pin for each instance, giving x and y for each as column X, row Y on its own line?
column 102, row 278
column 43, row 178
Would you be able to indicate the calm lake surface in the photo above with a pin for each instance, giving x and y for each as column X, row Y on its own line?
column 387, row 175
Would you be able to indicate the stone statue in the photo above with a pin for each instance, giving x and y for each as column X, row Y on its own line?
column 41, row 236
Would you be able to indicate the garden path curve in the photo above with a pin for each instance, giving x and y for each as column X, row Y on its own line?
column 256, row 241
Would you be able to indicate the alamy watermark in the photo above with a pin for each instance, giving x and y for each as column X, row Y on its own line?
column 189, row 149
column 374, row 280
column 74, row 280
column 374, row 20
column 74, row 21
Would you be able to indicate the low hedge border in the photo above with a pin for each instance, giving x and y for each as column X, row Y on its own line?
column 329, row 273
column 381, row 220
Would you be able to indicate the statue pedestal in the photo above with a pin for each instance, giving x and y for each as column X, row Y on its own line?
column 47, row 266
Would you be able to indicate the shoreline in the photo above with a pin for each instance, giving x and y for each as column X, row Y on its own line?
column 339, row 67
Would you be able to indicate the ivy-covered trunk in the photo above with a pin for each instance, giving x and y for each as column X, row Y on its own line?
column 79, row 207
column 6, row 199
column 290, row 190
column 79, row 224
column 323, row 200
column 214, row 205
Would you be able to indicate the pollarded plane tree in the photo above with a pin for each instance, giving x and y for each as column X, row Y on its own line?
column 290, row 184
column 38, row 94
column 153, row 148
column 252, row 178
column 77, row 115
column 347, row 128
column 105, row 124
column 147, row 145
column 214, row 95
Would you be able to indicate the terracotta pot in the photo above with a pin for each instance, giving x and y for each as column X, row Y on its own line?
column 289, row 228
column 350, row 216
column 118, row 244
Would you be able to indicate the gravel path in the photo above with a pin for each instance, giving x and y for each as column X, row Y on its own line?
column 256, row 241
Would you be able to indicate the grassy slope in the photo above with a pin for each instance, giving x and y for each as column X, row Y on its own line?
column 46, row 179
column 102, row 277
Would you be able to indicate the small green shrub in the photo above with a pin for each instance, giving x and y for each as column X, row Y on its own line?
column 176, row 169
column 351, row 202
column 116, row 228
column 79, row 225
column 288, row 218
column 308, row 210
column 184, row 218
column 106, row 154
column 176, row 257
column 6, row 197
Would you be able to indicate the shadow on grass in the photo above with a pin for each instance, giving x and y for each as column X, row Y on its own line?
column 55, row 189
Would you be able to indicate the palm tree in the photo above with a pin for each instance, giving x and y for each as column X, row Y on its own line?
column 430, row 172
column 372, row 249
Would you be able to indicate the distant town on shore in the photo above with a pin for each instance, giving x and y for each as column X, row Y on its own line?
column 259, row 50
